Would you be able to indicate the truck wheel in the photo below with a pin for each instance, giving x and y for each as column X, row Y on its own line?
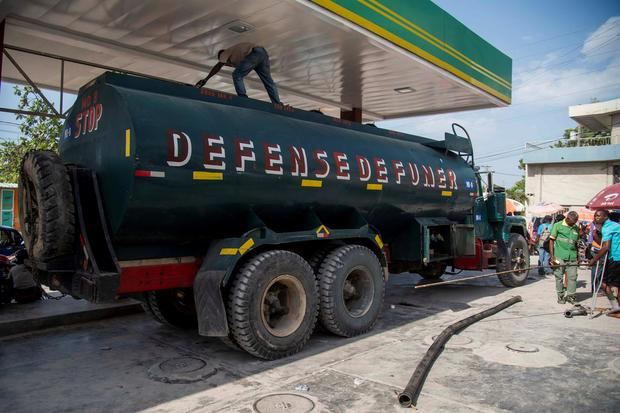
column 46, row 208
column 319, row 255
column 173, row 307
column 517, row 259
column 433, row 271
column 273, row 304
column 351, row 288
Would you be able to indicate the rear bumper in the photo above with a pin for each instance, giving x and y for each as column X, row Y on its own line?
column 60, row 274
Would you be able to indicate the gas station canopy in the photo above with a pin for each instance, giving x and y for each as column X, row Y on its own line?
column 390, row 58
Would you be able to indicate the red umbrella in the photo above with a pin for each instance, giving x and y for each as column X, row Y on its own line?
column 608, row 198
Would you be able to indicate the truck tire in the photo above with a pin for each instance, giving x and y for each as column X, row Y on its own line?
column 174, row 307
column 46, row 208
column 351, row 290
column 518, row 259
column 319, row 255
column 433, row 271
column 273, row 305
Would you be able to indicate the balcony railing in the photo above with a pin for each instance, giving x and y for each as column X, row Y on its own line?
column 597, row 141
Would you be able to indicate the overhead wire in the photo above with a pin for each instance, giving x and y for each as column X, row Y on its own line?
column 546, row 39
column 520, row 147
column 561, row 64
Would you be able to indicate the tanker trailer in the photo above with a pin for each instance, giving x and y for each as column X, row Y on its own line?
column 247, row 220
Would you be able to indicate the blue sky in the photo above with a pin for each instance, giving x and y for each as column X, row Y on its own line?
column 564, row 53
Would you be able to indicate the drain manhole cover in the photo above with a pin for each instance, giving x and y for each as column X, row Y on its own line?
column 523, row 348
column 285, row 402
column 520, row 354
column 181, row 370
column 182, row 365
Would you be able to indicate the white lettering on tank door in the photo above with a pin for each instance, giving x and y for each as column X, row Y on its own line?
column 323, row 170
column 452, row 180
column 429, row 177
column 179, row 149
column 78, row 125
column 399, row 170
column 299, row 161
column 364, row 168
column 212, row 153
column 381, row 170
column 415, row 174
column 342, row 166
column 98, row 114
column 85, row 121
column 441, row 178
column 273, row 159
column 91, row 118
column 244, row 152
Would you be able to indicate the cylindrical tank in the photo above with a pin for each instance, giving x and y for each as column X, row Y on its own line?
column 178, row 166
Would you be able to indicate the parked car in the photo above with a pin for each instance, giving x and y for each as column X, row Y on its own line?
column 10, row 241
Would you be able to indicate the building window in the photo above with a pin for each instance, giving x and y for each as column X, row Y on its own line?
column 7, row 207
column 616, row 174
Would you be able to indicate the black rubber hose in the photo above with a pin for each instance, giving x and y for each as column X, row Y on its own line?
column 410, row 395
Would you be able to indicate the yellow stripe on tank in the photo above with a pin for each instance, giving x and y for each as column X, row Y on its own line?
column 208, row 176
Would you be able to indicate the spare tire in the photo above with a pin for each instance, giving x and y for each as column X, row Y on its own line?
column 46, row 209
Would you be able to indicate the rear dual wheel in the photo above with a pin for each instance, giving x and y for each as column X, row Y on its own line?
column 173, row 307
column 274, row 299
column 351, row 288
column 273, row 304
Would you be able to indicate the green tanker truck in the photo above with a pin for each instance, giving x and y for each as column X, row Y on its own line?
column 248, row 220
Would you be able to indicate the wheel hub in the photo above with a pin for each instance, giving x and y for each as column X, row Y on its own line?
column 518, row 260
column 358, row 291
column 283, row 305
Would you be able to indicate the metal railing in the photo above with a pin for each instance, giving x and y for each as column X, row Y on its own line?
column 597, row 141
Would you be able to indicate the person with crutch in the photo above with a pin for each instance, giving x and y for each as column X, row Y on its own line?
column 611, row 248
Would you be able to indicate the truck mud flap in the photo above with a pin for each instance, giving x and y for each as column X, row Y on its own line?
column 210, row 303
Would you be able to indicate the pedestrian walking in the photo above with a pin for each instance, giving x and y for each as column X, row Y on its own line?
column 245, row 57
column 563, row 250
column 544, row 230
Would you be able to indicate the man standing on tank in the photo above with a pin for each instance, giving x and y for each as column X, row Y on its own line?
column 563, row 250
column 245, row 57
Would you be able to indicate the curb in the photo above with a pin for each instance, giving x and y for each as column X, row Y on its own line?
column 25, row 325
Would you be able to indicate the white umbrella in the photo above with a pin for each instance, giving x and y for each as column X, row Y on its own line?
column 544, row 208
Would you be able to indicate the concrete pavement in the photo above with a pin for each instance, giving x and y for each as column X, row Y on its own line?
column 524, row 359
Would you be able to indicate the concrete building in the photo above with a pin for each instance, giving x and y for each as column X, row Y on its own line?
column 599, row 116
column 572, row 176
